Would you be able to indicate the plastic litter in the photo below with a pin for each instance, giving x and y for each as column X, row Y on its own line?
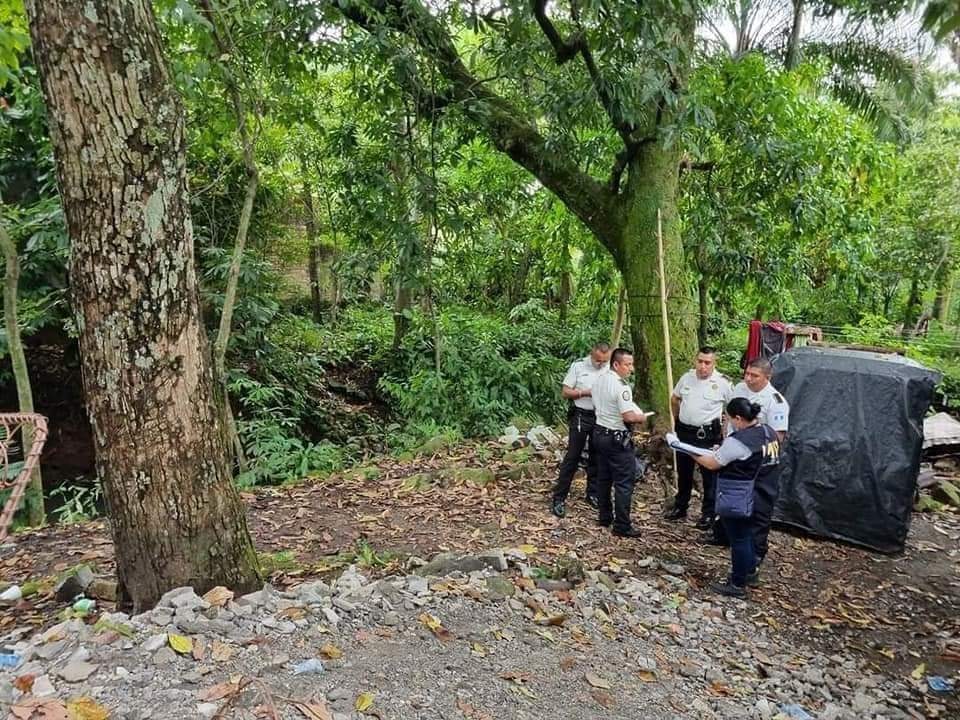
column 12, row 594
column 313, row 666
column 796, row 712
column 9, row 660
column 84, row 606
column 939, row 684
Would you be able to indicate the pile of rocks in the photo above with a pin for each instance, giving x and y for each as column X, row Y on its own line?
column 475, row 636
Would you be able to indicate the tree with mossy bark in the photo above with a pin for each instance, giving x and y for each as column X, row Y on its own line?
column 590, row 99
column 161, row 452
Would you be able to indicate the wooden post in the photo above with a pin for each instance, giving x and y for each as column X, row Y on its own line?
column 666, row 342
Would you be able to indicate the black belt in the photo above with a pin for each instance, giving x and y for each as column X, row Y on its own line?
column 584, row 411
column 711, row 428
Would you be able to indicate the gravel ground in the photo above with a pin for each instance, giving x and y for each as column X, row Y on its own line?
column 475, row 636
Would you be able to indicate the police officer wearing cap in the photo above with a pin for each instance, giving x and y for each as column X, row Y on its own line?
column 577, row 387
column 613, row 443
column 697, row 403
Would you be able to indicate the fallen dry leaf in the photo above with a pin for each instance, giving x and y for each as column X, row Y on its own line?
column 218, row 596
column 84, row 708
column 603, row 698
column 435, row 626
column 221, row 652
column 218, row 691
column 24, row 683
column 31, row 708
column 314, row 710
column 470, row 712
column 647, row 676
column 331, row 651
column 567, row 663
column 364, row 702
column 180, row 643
column 597, row 681
column 199, row 649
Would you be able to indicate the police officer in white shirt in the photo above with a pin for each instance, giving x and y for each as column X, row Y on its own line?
column 577, row 387
column 756, row 387
column 697, row 402
column 613, row 443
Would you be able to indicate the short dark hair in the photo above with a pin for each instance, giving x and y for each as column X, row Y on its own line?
column 742, row 408
column 618, row 354
column 601, row 346
column 761, row 364
column 707, row 350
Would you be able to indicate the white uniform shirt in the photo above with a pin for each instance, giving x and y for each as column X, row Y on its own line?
column 612, row 396
column 581, row 376
column 702, row 401
column 774, row 409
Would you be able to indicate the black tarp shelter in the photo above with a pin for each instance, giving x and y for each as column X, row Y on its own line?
column 849, row 468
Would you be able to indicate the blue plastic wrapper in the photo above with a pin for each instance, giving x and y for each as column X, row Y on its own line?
column 939, row 684
column 9, row 660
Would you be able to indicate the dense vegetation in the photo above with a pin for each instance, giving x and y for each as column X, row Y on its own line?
column 406, row 272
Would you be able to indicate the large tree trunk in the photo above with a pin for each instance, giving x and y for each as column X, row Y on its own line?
column 33, row 498
column 161, row 453
column 653, row 185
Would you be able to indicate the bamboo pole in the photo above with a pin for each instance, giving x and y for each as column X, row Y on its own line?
column 666, row 342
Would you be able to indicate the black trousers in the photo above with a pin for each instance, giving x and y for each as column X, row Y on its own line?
column 686, row 466
column 764, row 498
column 765, row 493
column 617, row 468
column 581, row 427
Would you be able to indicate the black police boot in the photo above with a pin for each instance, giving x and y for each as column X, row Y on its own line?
column 559, row 508
column 628, row 533
column 593, row 501
column 676, row 514
column 753, row 579
column 728, row 589
column 710, row 539
column 704, row 523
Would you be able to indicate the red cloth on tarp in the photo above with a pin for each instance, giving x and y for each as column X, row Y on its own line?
column 754, row 342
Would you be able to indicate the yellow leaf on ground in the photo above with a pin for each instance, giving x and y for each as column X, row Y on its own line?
column 647, row 676
column 331, row 651
column 435, row 626
column 364, row 702
column 180, row 643
column 528, row 549
column 84, row 708
column 597, row 681
column 218, row 596
column 918, row 671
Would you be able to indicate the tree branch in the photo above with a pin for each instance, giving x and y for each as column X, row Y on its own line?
column 504, row 125
column 565, row 50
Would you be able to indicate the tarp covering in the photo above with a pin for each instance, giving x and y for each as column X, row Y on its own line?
column 849, row 468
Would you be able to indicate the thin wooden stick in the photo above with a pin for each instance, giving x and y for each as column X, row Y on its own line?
column 666, row 335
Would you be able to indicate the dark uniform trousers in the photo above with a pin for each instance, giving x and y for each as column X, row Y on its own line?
column 705, row 436
column 616, row 472
column 581, row 428
column 765, row 493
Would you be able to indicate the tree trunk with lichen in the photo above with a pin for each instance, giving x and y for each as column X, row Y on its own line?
column 161, row 451
column 652, row 186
